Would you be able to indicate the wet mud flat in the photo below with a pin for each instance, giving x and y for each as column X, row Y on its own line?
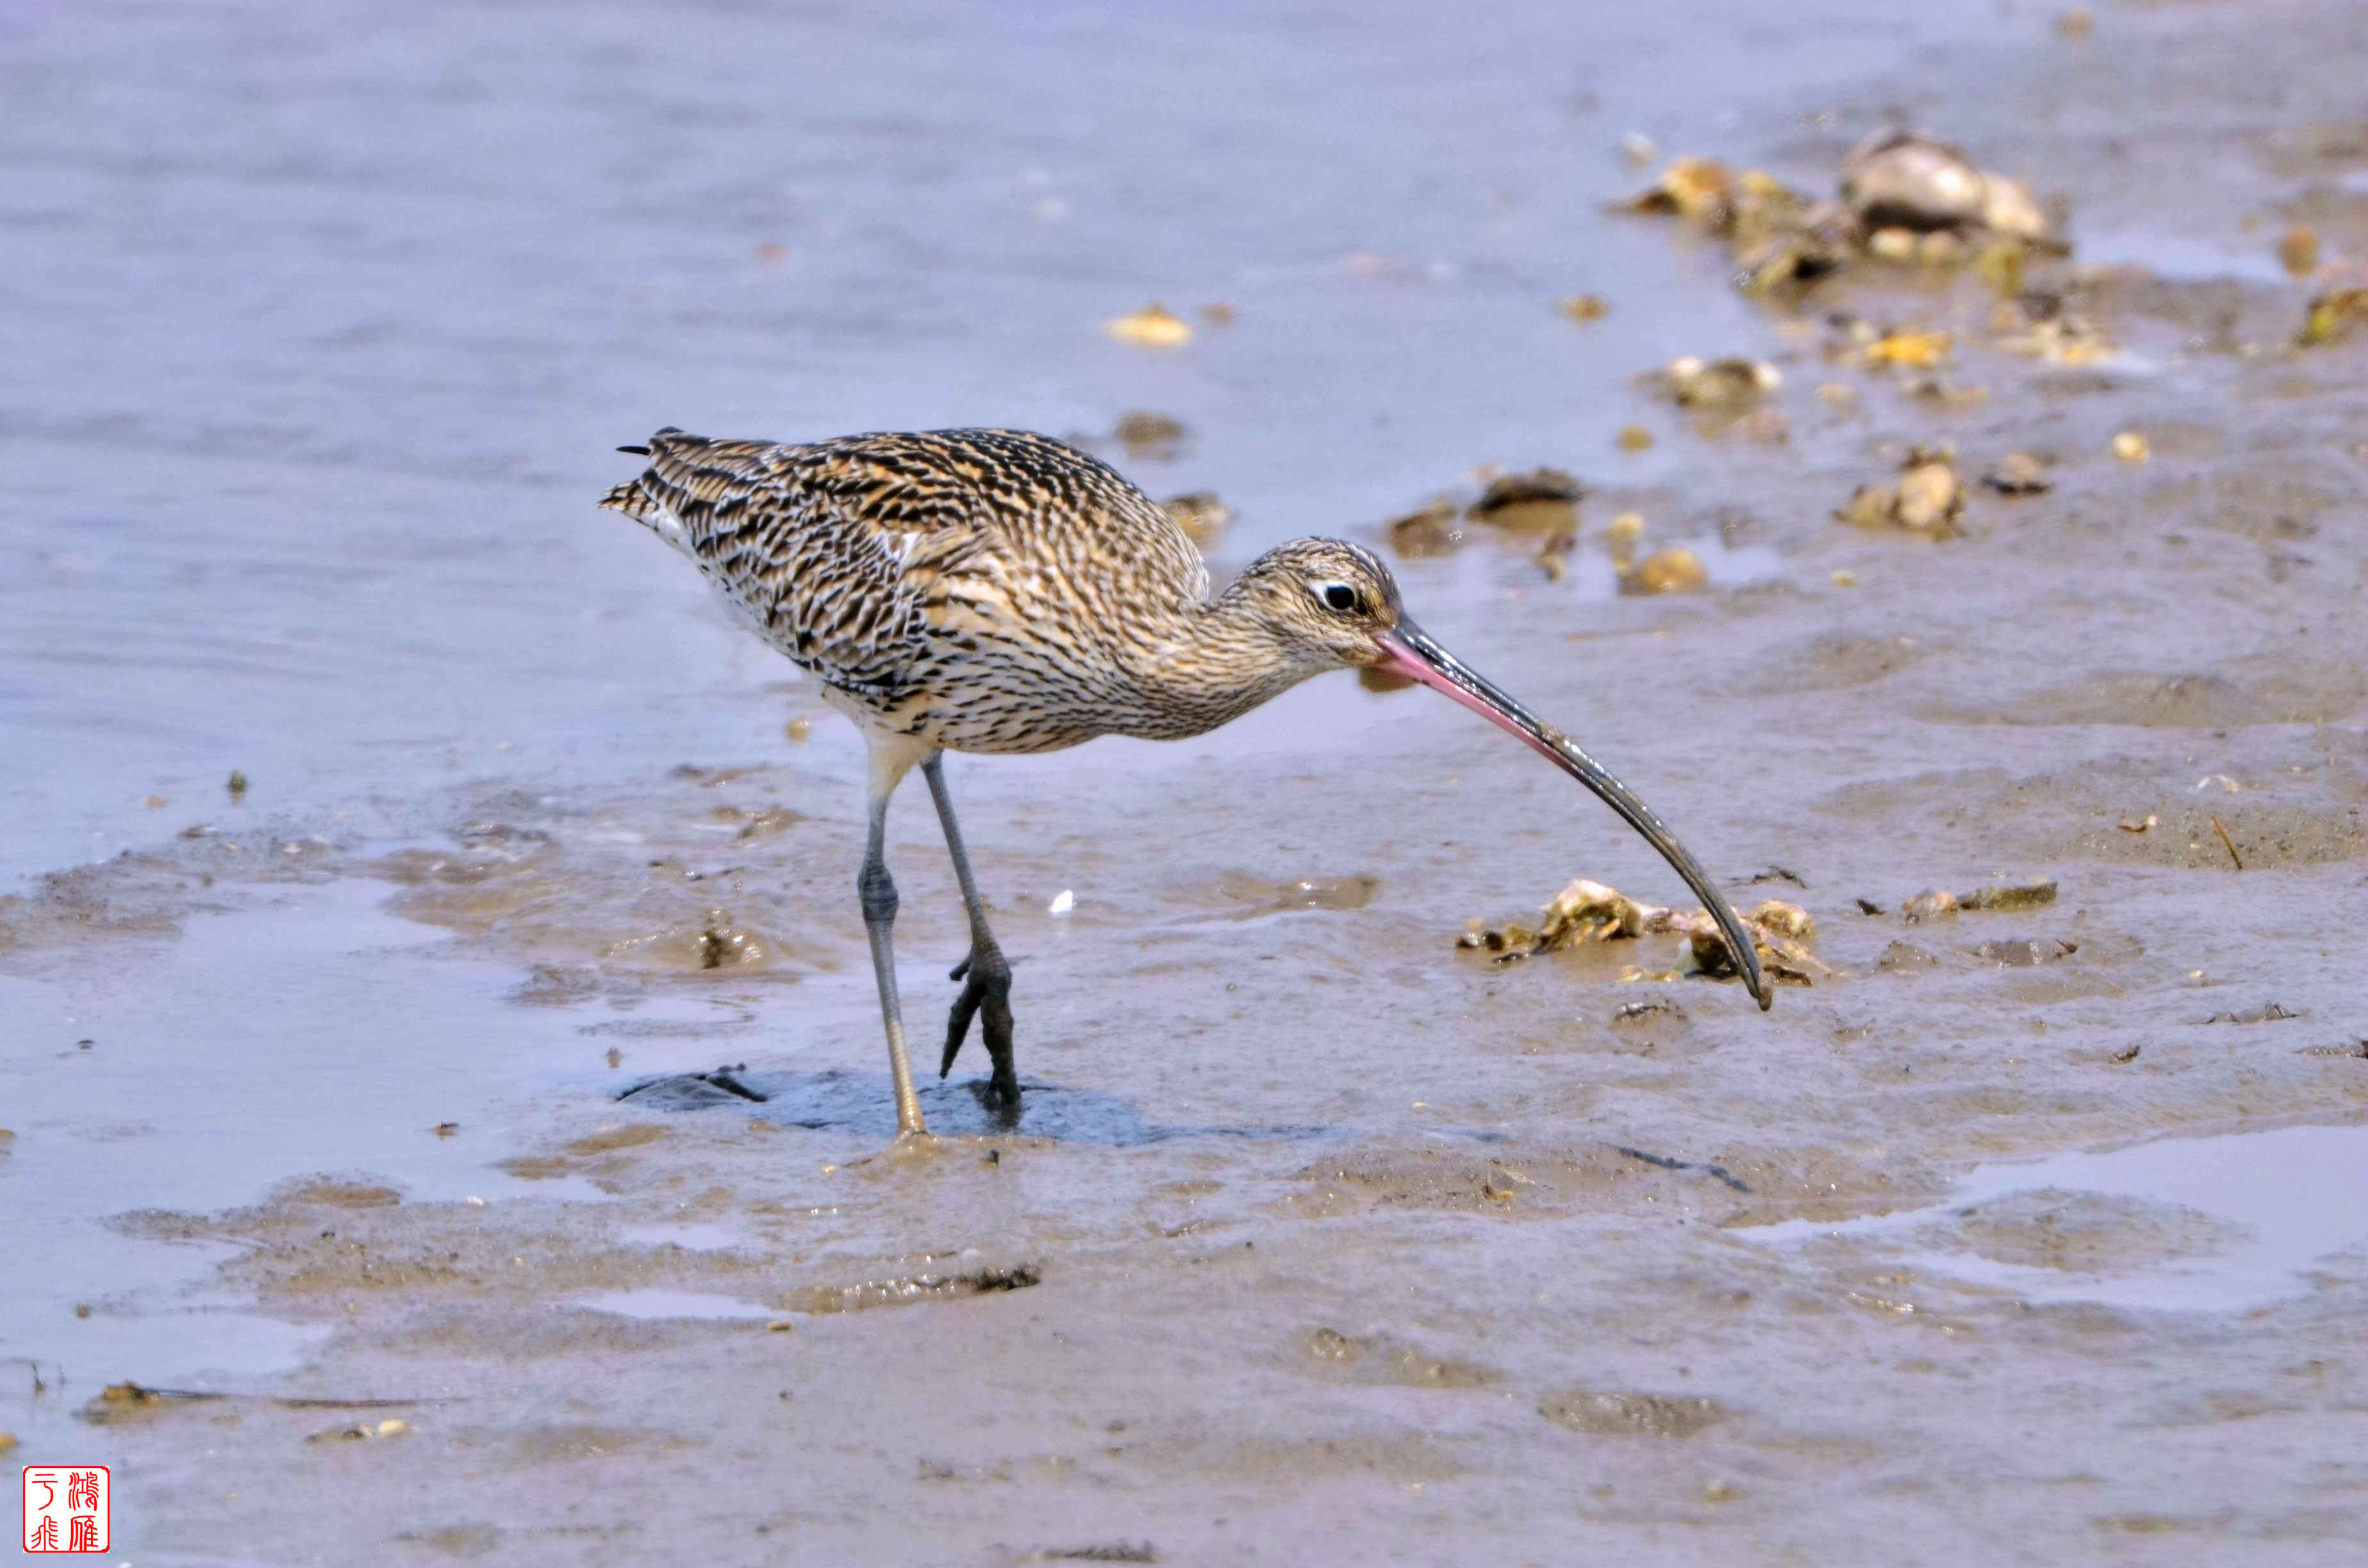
column 489, row 1171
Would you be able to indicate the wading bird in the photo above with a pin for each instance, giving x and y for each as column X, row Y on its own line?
column 996, row 591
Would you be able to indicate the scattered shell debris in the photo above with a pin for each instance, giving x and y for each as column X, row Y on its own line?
column 1929, row 498
column 1201, row 514
column 1589, row 911
column 1149, row 436
column 1153, row 326
column 1905, row 197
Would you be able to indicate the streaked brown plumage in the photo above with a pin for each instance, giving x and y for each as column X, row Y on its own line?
column 998, row 590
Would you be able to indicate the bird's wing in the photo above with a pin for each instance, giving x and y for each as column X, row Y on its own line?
column 849, row 554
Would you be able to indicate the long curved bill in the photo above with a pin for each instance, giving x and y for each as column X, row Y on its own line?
column 1413, row 654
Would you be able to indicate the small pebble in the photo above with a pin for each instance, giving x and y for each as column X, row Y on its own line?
column 1635, row 437
column 1673, row 570
column 2131, row 447
column 1585, row 307
column 2298, row 251
column 798, row 728
column 1845, row 579
column 1153, row 326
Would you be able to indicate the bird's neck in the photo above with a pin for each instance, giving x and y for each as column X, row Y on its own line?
column 1209, row 664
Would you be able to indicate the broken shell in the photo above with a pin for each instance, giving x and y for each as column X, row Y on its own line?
column 1429, row 533
column 1544, row 500
column 1516, row 489
column 1931, row 497
column 1911, row 349
column 2010, row 895
column 2131, row 447
column 2298, row 251
column 2008, row 208
column 1153, row 326
column 1784, row 918
column 1720, row 384
column 1892, row 245
column 1929, row 905
column 2001, row 265
column 1621, row 534
column 1690, row 188
column 1592, row 910
column 1673, row 570
column 1910, row 180
column 1870, row 506
column 1157, row 437
column 2017, row 473
column 2332, row 315
column 1201, row 515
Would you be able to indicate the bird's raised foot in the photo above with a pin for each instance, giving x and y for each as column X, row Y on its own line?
column 985, row 975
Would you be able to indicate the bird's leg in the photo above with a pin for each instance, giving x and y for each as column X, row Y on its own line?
column 879, row 894
column 985, row 975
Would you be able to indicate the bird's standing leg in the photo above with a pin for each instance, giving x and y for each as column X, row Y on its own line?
column 889, row 763
column 985, row 975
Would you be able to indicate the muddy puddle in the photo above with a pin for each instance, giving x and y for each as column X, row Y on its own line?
column 461, row 1142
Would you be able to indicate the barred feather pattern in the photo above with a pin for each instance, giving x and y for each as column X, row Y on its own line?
column 986, row 590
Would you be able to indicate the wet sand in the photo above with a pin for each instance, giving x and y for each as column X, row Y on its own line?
column 2029, row 1234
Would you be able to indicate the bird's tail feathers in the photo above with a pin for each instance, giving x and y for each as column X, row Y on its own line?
column 651, row 499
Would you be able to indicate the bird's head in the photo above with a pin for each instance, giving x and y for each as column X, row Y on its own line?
column 1333, row 605
column 1330, row 602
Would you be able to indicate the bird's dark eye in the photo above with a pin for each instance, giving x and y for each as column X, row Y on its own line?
column 1339, row 596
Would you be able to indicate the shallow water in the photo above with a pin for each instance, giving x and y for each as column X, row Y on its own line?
column 1313, row 1228
column 2295, row 1199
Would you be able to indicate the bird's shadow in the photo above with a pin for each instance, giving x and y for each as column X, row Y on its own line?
column 865, row 1102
